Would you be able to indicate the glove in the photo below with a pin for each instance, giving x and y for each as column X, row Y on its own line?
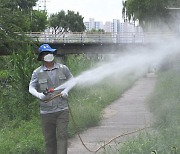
column 64, row 94
column 41, row 96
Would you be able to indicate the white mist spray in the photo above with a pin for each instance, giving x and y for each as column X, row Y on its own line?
column 131, row 61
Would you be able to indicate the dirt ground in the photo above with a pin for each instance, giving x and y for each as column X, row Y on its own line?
column 129, row 113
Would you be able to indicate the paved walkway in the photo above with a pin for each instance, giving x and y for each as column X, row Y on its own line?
column 128, row 113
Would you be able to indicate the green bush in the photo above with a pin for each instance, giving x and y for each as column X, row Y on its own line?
column 22, row 138
column 16, row 100
column 4, row 74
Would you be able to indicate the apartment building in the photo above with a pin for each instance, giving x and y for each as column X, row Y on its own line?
column 125, row 32
column 99, row 25
column 108, row 26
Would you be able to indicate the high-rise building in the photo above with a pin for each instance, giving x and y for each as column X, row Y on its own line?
column 108, row 26
column 87, row 26
column 124, row 29
column 99, row 25
column 91, row 23
column 115, row 25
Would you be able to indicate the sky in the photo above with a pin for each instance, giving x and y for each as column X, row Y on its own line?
column 100, row 10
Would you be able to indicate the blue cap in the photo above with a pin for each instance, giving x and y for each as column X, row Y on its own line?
column 45, row 48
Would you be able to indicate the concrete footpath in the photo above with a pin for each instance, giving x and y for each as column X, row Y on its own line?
column 128, row 113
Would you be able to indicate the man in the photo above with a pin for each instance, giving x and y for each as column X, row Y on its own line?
column 54, row 114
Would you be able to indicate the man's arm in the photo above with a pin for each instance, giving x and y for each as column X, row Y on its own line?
column 70, row 83
column 33, row 86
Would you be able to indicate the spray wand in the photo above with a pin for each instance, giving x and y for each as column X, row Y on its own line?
column 67, row 85
column 50, row 90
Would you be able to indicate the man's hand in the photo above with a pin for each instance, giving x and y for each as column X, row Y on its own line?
column 41, row 96
column 64, row 94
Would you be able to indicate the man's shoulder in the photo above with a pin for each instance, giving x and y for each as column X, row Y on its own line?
column 37, row 70
column 61, row 65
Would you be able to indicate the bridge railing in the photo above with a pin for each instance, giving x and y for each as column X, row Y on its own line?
column 122, row 37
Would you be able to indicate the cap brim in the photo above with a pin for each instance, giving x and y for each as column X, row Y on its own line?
column 49, row 50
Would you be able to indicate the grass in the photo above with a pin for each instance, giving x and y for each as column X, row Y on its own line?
column 25, row 136
column 86, row 105
column 164, row 103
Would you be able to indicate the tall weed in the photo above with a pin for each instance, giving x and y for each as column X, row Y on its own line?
column 164, row 103
column 22, row 136
column 18, row 103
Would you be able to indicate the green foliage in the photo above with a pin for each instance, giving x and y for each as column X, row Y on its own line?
column 4, row 74
column 22, row 137
column 174, row 3
column 17, row 17
column 87, row 102
column 10, row 23
column 97, row 30
column 20, row 103
column 39, row 21
column 146, row 11
column 164, row 104
column 70, row 22
column 4, row 60
column 18, row 4
column 54, row 21
column 75, row 22
column 150, row 13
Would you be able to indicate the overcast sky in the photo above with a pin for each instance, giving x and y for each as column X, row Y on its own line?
column 100, row 10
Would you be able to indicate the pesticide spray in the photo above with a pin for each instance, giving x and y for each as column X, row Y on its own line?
column 137, row 61
column 132, row 61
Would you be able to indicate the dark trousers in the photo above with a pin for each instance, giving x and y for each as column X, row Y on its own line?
column 55, row 127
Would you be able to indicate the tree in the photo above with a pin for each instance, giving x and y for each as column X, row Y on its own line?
column 9, row 24
column 38, row 21
column 75, row 22
column 174, row 3
column 58, row 22
column 18, row 4
column 17, row 17
column 97, row 30
column 146, row 11
column 70, row 22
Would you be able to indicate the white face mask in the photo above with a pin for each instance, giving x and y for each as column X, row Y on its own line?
column 49, row 58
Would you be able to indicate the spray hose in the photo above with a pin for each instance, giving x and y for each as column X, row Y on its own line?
column 53, row 97
column 102, row 146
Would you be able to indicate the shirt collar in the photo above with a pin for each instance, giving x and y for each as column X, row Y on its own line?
column 56, row 66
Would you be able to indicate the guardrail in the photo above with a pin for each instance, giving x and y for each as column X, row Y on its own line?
column 123, row 37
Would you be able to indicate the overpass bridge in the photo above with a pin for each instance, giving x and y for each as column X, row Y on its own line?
column 86, row 42
column 98, row 43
